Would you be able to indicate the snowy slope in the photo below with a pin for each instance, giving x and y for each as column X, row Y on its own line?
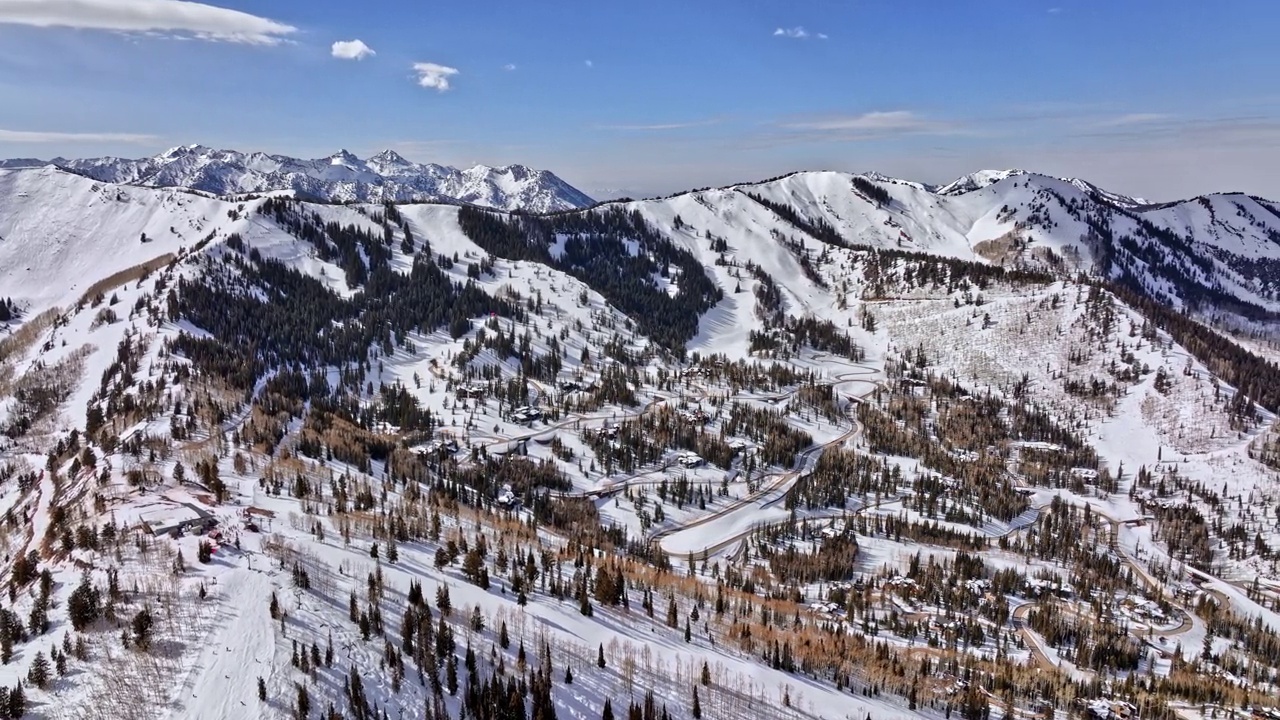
column 61, row 232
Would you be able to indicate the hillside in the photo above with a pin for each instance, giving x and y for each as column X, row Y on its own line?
column 835, row 445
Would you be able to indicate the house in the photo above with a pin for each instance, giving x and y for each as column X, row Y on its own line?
column 472, row 390
column 1111, row 709
column 691, row 460
column 526, row 414
column 440, row 448
column 506, row 498
column 695, row 417
column 178, row 519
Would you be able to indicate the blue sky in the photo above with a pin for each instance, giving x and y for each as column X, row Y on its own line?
column 1159, row 99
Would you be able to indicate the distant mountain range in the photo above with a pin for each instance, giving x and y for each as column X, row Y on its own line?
column 341, row 177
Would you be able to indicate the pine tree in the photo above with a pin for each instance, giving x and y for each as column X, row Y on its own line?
column 600, row 657
column 38, row 674
column 697, row 705
column 304, row 702
column 607, row 712
column 442, row 600
column 84, row 606
column 142, row 628
column 17, row 701
column 274, row 607
column 706, row 674
column 503, row 638
column 568, row 675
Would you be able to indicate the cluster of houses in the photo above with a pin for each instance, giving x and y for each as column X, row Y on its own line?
column 472, row 390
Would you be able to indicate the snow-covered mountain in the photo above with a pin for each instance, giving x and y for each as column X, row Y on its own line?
column 341, row 177
column 377, row 406
column 1219, row 251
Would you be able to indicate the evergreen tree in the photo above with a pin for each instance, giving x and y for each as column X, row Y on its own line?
column 600, row 657
column 303, row 709
column 262, row 689
column 141, row 625
column 38, row 674
column 84, row 606
column 442, row 599
column 17, row 701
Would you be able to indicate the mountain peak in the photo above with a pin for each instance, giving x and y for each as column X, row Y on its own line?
column 978, row 180
column 343, row 157
column 183, row 151
column 390, row 157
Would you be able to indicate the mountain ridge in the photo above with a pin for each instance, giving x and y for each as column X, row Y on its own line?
column 340, row 177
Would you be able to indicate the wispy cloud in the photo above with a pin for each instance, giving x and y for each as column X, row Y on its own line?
column 589, row 63
column 662, row 126
column 1132, row 119
column 352, row 50
column 884, row 123
column 1055, row 10
column 432, row 75
column 32, row 136
column 185, row 19
column 509, row 67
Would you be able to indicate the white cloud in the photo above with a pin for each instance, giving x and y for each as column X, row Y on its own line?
column 590, row 64
column 30, row 136
column 352, row 50
column 509, row 67
column 795, row 33
column 186, row 19
column 431, row 75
